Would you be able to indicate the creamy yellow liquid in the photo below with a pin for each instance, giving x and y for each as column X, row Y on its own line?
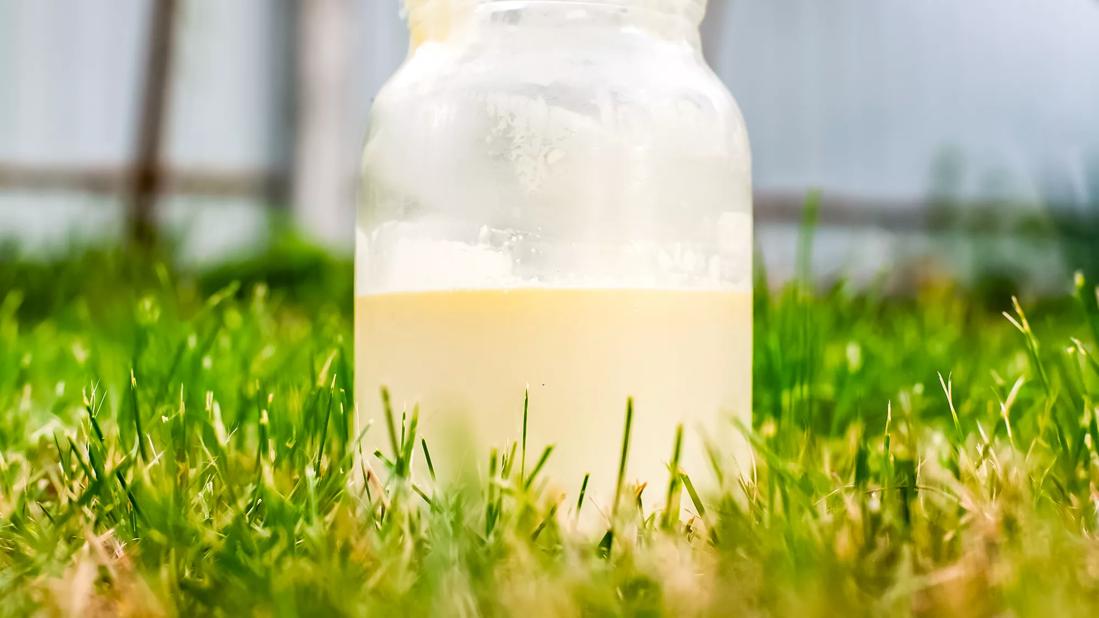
column 466, row 356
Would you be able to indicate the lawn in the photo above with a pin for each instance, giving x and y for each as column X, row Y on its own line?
column 180, row 441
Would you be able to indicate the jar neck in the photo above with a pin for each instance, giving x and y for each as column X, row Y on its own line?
column 442, row 20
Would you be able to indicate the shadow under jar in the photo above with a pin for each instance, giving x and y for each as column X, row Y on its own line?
column 557, row 197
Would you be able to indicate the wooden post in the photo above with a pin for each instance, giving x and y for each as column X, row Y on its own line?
column 146, row 177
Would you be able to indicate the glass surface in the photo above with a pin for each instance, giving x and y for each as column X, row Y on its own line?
column 557, row 195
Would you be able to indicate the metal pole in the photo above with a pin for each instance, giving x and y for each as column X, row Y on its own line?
column 322, row 189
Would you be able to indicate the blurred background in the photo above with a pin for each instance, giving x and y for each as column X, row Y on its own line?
column 946, row 137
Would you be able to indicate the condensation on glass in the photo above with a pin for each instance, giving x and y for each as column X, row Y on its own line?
column 557, row 198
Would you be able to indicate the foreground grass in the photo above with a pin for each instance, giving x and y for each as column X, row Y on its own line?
column 178, row 444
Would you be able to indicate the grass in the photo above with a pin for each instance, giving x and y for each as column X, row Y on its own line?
column 176, row 443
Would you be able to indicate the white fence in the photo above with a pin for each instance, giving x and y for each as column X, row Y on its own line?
column 268, row 98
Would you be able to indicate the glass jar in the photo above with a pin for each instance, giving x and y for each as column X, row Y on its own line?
column 557, row 198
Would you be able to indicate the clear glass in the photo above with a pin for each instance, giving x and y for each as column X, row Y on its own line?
column 557, row 197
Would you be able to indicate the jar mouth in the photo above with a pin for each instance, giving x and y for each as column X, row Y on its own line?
column 694, row 10
column 434, row 20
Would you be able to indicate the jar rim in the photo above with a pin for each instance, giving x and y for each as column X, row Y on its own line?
column 691, row 9
column 430, row 19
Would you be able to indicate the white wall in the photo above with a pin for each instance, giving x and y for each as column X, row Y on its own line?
column 859, row 97
column 66, row 70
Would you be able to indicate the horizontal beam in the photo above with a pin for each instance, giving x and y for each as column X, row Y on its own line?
column 838, row 210
column 116, row 180
column 843, row 211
